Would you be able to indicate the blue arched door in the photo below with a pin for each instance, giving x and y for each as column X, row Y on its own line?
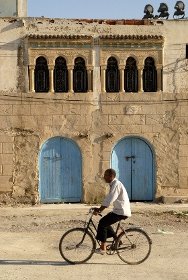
column 60, row 171
column 132, row 158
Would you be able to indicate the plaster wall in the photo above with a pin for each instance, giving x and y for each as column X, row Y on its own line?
column 28, row 119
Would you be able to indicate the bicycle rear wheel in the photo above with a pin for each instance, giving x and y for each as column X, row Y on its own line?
column 133, row 246
column 77, row 246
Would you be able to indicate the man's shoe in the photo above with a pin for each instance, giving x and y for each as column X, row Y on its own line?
column 113, row 246
column 100, row 251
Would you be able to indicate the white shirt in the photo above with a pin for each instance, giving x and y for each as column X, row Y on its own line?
column 119, row 197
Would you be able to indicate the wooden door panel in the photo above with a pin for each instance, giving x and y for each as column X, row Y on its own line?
column 121, row 164
column 142, row 171
column 60, row 171
column 132, row 159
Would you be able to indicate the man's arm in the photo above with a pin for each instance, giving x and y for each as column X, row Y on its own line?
column 112, row 196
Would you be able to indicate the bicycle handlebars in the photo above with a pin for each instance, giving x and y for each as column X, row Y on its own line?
column 92, row 209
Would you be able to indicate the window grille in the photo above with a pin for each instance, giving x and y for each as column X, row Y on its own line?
column 41, row 75
column 149, row 75
column 80, row 78
column 60, row 75
column 131, row 75
column 112, row 76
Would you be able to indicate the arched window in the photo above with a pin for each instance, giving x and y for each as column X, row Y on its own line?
column 112, row 76
column 131, row 75
column 41, row 75
column 150, row 75
column 60, row 75
column 80, row 79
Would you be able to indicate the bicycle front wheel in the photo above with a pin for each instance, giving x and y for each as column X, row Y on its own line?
column 77, row 246
column 133, row 246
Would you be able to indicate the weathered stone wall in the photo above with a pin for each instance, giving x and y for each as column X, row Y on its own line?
column 28, row 119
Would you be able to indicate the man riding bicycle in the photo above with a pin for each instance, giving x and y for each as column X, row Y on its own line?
column 121, row 209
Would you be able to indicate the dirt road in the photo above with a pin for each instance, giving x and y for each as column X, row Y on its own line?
column 29, row 239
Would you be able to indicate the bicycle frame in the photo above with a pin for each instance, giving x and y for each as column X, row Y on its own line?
column 88, row 227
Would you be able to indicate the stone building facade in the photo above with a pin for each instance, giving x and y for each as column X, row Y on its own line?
column 80, row 96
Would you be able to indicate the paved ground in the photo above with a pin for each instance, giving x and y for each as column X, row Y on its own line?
column 29, row 238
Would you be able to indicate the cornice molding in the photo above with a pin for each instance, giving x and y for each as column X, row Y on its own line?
column 57, row 36
column 132, row 37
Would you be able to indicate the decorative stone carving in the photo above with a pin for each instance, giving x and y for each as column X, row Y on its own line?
column 122, row 55
column 68, row 54
column 132, row 109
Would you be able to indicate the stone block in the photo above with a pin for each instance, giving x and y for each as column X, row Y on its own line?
column 6, row 158
column 59, row 120
column 183, row 171
column 106, row 109
column 184, row 111
column 148, row 110
column 77, row 120
column 133, row 110
column 7, row 170
column 183, row 139
column 104, row 119
column 44, row 121
column 133, row 129
column 30, row 122
column 74, row 109
column 174, row 199
column 4, row 122
column 4, row 138
column 14, row 121
column 183, row 150
column 21, row 110
column 154, row 119
column 46, row 110
column 157, row 128
column 10, row 122
column 183, row 162
column 183, row 182
column 113, row 109
column 87, row 110
column 119, row 119
column 5, row 110
column 140, row 97
column 5, row 184
column 77, row 97
column 146, row 128
column 121, row 131
column 7, row 148
column 160, row 109
column 112, row 97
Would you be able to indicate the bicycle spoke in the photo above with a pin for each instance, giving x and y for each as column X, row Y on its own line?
column 77, row 246
column 135, row 248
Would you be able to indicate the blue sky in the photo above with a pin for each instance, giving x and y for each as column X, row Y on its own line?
column 118, row 9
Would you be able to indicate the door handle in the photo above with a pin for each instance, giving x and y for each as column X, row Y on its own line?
column 129, row 157
column 56, row 157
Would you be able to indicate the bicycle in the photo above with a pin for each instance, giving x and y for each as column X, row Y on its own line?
column 77, row 245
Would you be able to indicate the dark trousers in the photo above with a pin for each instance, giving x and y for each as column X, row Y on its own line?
column 105, row 230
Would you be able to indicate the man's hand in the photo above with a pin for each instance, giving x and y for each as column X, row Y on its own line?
column 96, row 211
